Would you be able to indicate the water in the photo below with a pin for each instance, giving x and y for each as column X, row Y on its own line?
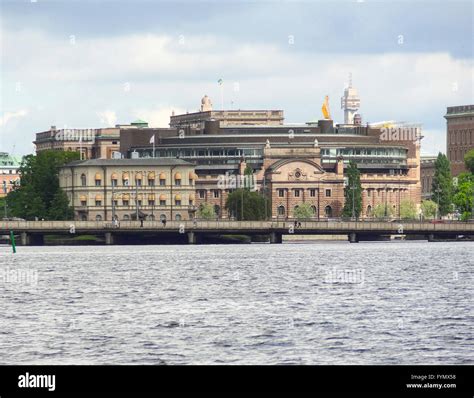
column 403, row 303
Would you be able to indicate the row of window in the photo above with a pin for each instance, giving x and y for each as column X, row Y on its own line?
column 140, row 203
column 298, row 193
column 462, row 137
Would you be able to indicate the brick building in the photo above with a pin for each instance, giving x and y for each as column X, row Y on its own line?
column 459, row 136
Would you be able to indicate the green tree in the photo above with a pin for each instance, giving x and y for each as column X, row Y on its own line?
column 379, row 211
column 304, row 211
column 469, row 160
column 39, row 186
column 408, row 210
column 429, row 209
column 442, row 188
column 253, row 205
column 206, row 211
column 464, row 195
column 59, row 208
column 352, row 192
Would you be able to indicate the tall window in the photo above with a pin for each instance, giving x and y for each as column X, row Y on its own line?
column 83, row 180
column 281, row 210
column 151, row 182
column 328, row 211
column 328, row 193
column 312, row 193
column 281, row 193
column 162, row 182
column 202, row 194
column 216, row 193
column 297, row 193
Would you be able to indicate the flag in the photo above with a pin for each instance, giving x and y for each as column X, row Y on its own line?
column 220, row 81
column 152, row 139
column 325, row 108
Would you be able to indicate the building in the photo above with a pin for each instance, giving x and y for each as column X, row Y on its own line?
column 127, row 189
column 350, row 103
column 237, row 117
column 427, row 171
column 90, row 143
column 292, row 164
column 9, row 172
column 459, row 136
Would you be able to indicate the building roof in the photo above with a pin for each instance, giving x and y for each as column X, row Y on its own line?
column 130, row 162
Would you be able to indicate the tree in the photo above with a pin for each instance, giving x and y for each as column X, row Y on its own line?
column 379, row 211
column 304, row 211
column 38, row 194
column 442, row 188
column 469, row 160
column 464, row 195
column 253, row 205
column 352, row 192
column 206, row 211
column 408, row 210
column 429, row 208
column 59, row 208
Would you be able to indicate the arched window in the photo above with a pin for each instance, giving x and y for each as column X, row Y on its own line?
column 126, row 217
column 151, row 217
column 313, row 209
column 217, row 210
column 83, row 217
column 281, row 210
column 83, row 180
column 162, row 217
column 98, row 217
column 177, row 217
column 328, row 211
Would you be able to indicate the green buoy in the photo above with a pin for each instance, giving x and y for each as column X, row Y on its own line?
column 12, row 240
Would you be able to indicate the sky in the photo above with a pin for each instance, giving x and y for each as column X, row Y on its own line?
column 90, row 64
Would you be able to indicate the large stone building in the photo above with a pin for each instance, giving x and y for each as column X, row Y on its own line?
column 427, row 174
column 459, row 136
column 293, row 164
column 122, row 189
column 9, row 172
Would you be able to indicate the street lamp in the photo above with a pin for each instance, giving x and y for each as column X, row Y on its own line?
column 438, row 190
column 385, row 212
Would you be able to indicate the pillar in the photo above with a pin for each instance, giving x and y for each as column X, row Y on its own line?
column 192, row 238
column 275, row 237
column 24, row 239
column 353, row 238
column 109, row 238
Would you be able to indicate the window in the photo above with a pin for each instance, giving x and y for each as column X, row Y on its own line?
column 115, row 202
column 178, row 182
column 281, row 193
column 125, row 202
column 139, row 182
column 369, row 210
column 297, row 193
column 177, row 217
column 162, row 202
column 139, row 203
column 328, row 211
column 126, row 217
column 177, row 202
column 369, row 193
column 114, row 182
column 162, row 182
column 202, row 194
column 83, row 180
column 98, row 203
column 281, row 210
column 328, row 193
column 313, row 209
column 83, row 202
column 151, row 182
column 98, row 183
column 151, row 202
column 216, row 193
column 98, row 217
column 217, row 210
column 312, row 193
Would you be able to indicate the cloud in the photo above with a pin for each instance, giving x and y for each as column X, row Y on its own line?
column 108, row 118
column 7, row 116
column 157, row 117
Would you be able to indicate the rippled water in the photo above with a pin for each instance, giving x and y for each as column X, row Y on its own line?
column 313, row 303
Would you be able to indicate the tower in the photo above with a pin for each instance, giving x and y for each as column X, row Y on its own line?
column 350, row 102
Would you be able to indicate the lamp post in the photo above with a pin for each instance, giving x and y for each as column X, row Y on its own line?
column 385, row 212
column 438, row 190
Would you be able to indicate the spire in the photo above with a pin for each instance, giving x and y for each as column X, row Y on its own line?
column 350, row 79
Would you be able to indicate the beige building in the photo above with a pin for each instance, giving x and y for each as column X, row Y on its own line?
column 127, row 189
